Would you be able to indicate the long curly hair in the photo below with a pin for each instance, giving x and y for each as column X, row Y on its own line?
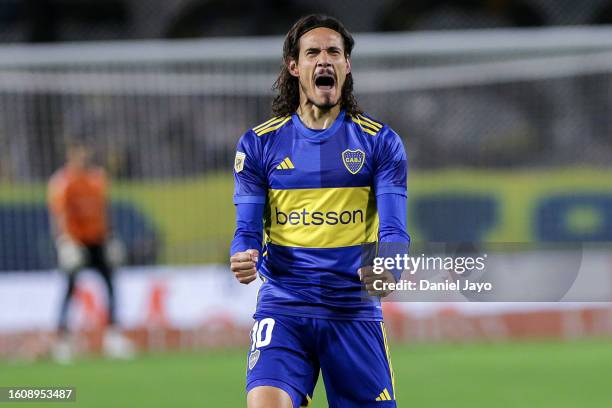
column 287, row 86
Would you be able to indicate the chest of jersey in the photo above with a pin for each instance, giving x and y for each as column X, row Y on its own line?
column 294, row 161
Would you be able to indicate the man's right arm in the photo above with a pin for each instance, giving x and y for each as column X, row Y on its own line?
column 246, row 245
column 249, row 198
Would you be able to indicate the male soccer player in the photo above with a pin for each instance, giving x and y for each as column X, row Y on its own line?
column 78, row 206
column 326, row 183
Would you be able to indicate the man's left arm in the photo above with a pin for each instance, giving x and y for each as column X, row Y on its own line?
column 391, row 197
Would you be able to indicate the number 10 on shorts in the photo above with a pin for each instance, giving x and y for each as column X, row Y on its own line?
column 261, row 335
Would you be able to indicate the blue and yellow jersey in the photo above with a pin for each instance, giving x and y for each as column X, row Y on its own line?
column 319, row 189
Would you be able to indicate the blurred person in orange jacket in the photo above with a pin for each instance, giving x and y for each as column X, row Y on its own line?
column 78, row 205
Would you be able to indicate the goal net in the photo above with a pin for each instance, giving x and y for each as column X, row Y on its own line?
column 164, row 118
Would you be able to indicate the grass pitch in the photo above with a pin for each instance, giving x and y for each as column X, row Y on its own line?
column 535, row 374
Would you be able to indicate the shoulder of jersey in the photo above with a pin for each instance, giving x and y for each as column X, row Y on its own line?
column 271, row 125
column 367, row 124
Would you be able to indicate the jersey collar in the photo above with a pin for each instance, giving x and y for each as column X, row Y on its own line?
column 317, row 135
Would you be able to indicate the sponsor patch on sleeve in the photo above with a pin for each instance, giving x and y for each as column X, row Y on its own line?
column 239, row 161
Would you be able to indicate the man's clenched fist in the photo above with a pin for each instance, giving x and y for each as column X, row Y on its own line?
column 244, row 265
column 368, row 278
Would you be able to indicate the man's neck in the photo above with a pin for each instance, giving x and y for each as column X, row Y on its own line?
column 315, row 118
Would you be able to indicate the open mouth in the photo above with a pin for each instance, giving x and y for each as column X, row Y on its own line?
column 325, row 82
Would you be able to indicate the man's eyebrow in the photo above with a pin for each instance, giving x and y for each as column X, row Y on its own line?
column 330, row 48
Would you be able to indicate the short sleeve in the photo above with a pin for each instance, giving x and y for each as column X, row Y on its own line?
column 391, row 164
column 250, row 181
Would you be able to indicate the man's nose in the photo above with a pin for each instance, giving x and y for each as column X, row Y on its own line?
column 323, row 61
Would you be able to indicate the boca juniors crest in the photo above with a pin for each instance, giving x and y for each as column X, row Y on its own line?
column 353, row 160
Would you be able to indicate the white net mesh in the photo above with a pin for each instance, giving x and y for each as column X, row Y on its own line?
column 164, row 118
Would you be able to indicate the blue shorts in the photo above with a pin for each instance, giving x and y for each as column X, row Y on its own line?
column 287, row 352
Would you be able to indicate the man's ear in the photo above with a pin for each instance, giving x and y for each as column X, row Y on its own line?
column 348, row 66
column 293, row 68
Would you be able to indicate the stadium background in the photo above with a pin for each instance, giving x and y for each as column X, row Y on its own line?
column 504, row 108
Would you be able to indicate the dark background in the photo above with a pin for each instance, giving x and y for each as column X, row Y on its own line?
column 86, row 20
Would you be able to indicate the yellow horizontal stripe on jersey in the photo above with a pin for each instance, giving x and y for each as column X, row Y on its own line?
column 274, row 127
column 322, row 217
column 376, row 125
column 267, row 123
column 364, row 125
